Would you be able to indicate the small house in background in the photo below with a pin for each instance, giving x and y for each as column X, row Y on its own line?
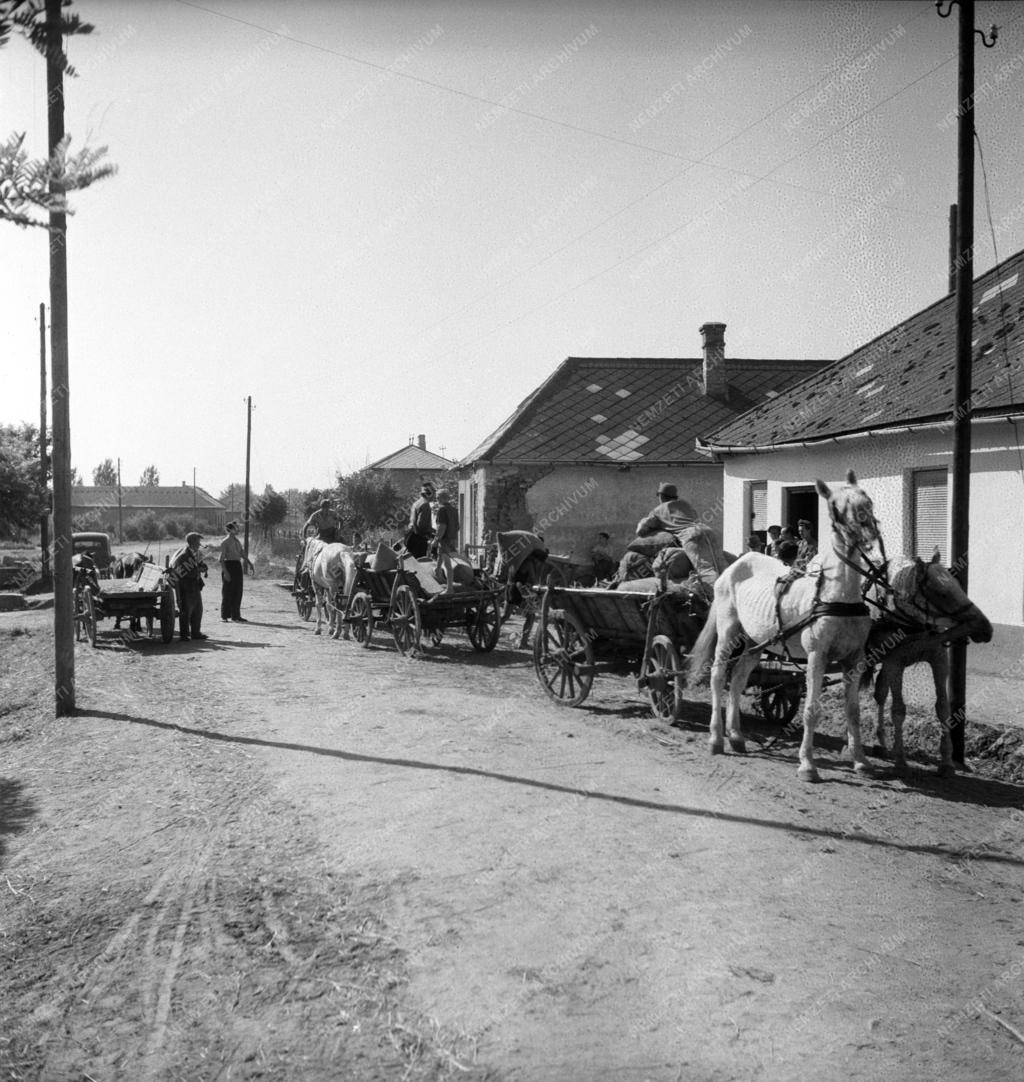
column 411, row 466
column 887, row 412
column 586, row 451
column 104, row 507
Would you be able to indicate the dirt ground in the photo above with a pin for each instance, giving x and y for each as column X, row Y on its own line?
column 276, row 856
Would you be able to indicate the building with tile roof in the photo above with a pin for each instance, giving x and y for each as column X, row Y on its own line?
column 887, row 411
column 103, row 504
column 587, row 449
column 412, row 465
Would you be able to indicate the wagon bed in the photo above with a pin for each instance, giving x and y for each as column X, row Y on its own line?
column 147, row 596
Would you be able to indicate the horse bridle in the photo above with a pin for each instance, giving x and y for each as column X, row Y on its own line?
column 928, row 608
column 873, row 574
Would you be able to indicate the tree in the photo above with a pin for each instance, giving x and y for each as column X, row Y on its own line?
column 105, row 473
column 23, row 496
column 369, row 499
column 150, row 477
column 30, row 189
column 233, row 498
column 76, row 477
column 269, row 510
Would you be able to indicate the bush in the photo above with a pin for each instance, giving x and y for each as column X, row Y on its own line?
column 144, row 527
column 172, row 528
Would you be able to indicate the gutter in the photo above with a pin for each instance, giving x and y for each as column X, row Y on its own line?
column 871, row 433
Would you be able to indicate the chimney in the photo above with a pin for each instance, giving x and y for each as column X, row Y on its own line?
column 715, row 380
column 421, row 442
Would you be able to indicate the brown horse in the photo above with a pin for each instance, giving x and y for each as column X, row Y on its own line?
column 819, row 616
column 924, row 609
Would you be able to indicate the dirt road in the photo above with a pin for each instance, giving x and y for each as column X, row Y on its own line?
column 275, row 856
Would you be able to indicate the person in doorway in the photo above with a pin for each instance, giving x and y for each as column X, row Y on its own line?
column 446, row 538
column 672, row 514
column 417, row 540
column 774, row 539
column 325, row 520
column 186, row 572
column 232, row 562
column 807, row 547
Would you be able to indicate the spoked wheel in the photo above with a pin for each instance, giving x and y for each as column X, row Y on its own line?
column 563, row 658
column 304, row 596
column 89, row 615
column 79, row 615
column 485, row 626
column 780, row 703
column 405, row 621
column 167, row 615
column 361, row 617
column 662, row 685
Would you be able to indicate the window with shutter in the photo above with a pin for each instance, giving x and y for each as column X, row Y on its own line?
column 931, row 514
column 758, row 505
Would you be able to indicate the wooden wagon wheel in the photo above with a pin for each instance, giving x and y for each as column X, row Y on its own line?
column 485, row 626
column 663, row 686
column 80, row 631
column 167, row 614
column 360, row 615
column 303, row 596
column 405, row 620
column 563, row 657
column 780, row 703
column 89, row 615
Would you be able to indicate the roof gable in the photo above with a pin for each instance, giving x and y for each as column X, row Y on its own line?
column 624, row 410
column 904, row 377
column 412, row 457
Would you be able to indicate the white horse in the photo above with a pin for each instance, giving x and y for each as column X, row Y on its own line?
column 332, row 569
column 820, row 616
column 923, row 610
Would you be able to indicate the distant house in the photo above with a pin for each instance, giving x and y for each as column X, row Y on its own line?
column 887, row 411
column 109, row 505
column 587, row 449
column 412, row 465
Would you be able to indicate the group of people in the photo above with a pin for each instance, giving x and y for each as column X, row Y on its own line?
column 187, row 571
column 793, row 549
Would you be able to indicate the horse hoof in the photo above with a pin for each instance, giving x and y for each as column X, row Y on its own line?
column 865, row 770
column 808, row 773
column 316, row 631
column 717, row 747
column 738, row 746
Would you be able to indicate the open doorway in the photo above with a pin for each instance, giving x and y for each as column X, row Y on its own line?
column 800, row 501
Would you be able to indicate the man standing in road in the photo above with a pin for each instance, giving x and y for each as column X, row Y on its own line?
column 186, row 575
column 232, row 556
column 417, row 541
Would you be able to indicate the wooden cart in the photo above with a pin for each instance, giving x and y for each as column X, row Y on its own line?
column 399, row 600
column 581, row 630
column 147, row 598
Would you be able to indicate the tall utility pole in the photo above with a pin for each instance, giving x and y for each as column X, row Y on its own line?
column 193, row 497
column 63, row 582
column 44, row 518
column 120, row 506
column 248, row 444
column 962, row 410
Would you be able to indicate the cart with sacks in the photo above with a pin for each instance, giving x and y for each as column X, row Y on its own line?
column 413, row 606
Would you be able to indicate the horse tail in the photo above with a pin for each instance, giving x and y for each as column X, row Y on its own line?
column 698, row 664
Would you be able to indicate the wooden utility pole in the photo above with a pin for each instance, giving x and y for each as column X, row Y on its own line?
column 962, row 405
column 193, row 497
column 44, row 518
column 248, row 445
column 63, row 582
column 120, row 506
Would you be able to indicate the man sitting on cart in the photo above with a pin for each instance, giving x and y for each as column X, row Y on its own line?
column 672, row 514
column 326, row 521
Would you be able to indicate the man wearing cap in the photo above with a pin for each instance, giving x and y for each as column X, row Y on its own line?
column 186, row 573
column 417, row 541
column 232, row 555
column 326, row 521
column 672, row 514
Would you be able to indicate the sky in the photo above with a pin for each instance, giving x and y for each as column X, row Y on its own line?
column 398, row 217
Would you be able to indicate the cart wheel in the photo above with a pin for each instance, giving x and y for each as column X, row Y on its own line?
column 89, row 615
column 303, row 596
column 780, row 704
column 167, row 615
column 563, row 658
column 361, row 617
column 79, row 615
column 486, row 626
column 405, row 621
column 663, row 686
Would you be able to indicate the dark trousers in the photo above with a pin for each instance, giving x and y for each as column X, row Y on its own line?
column 231, row 591
column 416, row 545
column 190, row 611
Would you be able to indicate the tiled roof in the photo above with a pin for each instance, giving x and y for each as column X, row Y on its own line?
column 143, row 496
column 635, row 409
column 412, row 457
column 904, row 377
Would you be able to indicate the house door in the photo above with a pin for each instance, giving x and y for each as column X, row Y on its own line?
column 800, row 501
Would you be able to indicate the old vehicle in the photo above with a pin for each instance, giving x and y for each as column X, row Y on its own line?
column 97, row 546
column 147, row 597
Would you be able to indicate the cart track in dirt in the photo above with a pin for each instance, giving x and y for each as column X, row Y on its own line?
column 274, row 855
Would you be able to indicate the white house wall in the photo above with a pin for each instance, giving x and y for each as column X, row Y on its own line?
column 883, row 465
